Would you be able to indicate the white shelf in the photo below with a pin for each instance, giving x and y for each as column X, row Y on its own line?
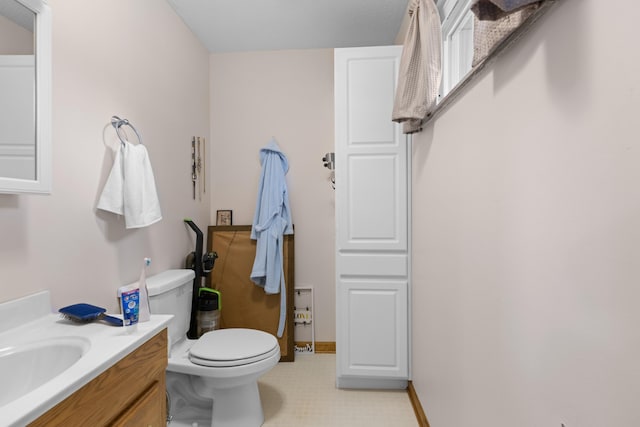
column 304, row 327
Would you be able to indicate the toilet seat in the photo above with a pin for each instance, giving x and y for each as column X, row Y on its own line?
column 233, row 347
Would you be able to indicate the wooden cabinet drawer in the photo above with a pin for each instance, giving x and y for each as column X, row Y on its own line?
column 147, row 411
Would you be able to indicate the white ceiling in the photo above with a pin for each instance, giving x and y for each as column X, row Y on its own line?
column 17, row 13
column 248, row 25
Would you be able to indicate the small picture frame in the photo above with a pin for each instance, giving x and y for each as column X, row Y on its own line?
column 224, row 217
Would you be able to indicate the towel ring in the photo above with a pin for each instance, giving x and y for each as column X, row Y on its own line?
column 117, row 122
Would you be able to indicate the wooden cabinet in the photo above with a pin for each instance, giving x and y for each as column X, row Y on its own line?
column 130, row 393
column 372, row 222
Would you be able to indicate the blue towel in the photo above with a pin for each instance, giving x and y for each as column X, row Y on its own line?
column 271, row 221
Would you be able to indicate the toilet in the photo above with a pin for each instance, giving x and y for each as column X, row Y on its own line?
column 222, row 366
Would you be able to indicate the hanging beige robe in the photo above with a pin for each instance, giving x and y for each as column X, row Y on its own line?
column 420, row 67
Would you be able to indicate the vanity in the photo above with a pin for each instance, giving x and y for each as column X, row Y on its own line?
column 110, row 400
column 57, row 372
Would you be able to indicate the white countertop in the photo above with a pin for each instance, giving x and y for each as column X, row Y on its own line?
column 109, row 344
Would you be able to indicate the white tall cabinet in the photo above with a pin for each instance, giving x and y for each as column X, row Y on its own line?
column 372, row 222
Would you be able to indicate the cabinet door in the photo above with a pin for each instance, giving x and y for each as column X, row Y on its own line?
column 372, row 227
column 148, row 411
column 375, row 327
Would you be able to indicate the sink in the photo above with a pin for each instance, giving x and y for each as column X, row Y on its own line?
column 44, row 359
column 27, row 366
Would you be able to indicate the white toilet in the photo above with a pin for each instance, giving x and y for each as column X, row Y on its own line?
column 223, row 365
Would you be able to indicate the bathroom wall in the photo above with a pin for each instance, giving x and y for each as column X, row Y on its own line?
column 14, row 40
column 526, row 245
column 287, row 95
column 110, row 57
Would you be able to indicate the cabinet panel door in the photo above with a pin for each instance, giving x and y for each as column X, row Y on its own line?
column 371, row 152
column 372, row 222
column 147, row 411
column 375, row 325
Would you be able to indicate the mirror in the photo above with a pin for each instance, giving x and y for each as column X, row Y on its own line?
column 25, row 104
column 461, row 59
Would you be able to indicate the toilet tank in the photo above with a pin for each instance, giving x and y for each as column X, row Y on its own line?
column 170, row 293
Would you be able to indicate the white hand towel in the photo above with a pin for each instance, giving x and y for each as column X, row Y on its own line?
column 141, row 204
column 131, row 188
column 112, row 199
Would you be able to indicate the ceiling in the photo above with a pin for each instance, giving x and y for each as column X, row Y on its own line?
column 17, row 13
column 249, row 25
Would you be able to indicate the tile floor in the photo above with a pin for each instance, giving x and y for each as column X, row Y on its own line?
column 303, row 394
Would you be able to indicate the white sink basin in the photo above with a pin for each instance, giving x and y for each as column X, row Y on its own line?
column 25, row 367
column 45, row 358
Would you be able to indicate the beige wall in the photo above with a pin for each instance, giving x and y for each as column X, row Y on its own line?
column 526, row 245
column 14, row 39
column 132, row 59
column 287, row 95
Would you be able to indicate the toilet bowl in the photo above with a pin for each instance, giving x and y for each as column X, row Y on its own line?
column 222, row 365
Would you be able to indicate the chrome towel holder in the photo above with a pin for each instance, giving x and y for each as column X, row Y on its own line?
column 117, row 123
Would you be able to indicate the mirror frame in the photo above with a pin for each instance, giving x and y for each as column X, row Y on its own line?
column 42, row 183
column 512, row 38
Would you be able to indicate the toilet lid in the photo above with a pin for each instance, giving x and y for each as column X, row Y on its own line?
column 232, row 347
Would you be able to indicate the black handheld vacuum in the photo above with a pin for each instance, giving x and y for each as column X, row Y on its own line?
column 202, row 266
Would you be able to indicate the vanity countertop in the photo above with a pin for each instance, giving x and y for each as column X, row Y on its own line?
column 108, row 345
